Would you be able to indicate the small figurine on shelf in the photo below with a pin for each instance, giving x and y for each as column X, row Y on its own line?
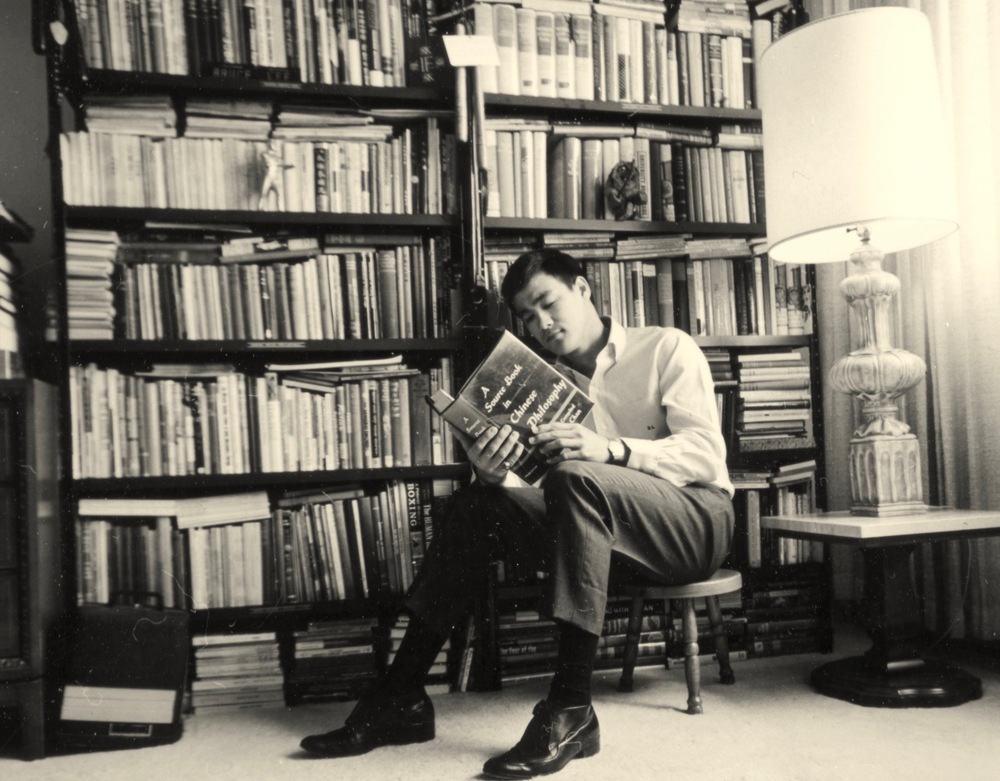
column 623, row 193
column 273, row 179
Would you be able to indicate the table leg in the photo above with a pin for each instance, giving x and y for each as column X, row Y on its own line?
column 893, row 672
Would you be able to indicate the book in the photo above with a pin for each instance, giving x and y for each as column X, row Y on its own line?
column 517, row 387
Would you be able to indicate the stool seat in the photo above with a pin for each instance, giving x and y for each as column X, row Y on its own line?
column 724, row 581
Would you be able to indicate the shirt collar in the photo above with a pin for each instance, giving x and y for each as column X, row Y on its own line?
column 617, row 339
column 613, row 350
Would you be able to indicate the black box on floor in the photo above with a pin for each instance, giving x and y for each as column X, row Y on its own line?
column 125, row 676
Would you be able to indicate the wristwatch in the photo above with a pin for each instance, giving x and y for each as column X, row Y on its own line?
column 617, row 452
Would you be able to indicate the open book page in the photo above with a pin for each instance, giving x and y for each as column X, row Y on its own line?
column 514, row 386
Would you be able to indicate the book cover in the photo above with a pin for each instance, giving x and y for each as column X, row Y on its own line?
column 516, row 387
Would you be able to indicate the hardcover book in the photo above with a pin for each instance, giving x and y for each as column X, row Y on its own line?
column 517, row 387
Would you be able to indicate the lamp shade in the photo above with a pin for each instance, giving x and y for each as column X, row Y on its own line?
column 854, row 134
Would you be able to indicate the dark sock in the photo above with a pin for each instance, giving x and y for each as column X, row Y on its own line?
column 575, row 663
column 416, row 653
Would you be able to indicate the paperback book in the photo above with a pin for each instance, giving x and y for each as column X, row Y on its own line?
column 517, row 387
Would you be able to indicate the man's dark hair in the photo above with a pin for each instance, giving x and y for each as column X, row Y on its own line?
column 540, row 261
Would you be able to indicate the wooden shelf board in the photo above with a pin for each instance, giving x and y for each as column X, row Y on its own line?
column 130, row 486
column 218, row 218
column 591, row 107
column 624, row 226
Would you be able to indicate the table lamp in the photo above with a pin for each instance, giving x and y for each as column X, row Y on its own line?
column 856, row 165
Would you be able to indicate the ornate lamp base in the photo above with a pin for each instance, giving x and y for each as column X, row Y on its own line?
column 885, row 475
column 885, row 456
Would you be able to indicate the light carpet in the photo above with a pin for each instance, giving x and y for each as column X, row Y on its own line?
column 769, row 725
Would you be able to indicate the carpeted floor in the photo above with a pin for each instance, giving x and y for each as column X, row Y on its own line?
column 770, row 725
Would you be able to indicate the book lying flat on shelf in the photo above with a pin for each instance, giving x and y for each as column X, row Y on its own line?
column 517, row 387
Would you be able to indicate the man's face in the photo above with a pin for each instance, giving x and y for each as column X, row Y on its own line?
column 553, row 312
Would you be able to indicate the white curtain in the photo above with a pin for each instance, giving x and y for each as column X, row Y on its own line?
column 949, row 315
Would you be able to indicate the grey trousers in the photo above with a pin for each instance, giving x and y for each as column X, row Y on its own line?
column 585, row 521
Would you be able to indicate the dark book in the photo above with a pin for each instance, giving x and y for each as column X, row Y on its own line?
column 517, row 387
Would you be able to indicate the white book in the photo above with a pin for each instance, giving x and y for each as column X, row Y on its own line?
column 565, row 62
column 528, row 167
column 541, row 179
column 545, row 40
column 582, row 33
column 637, row 72
column 527, row 51
column 696, row 65
column 482, row 14
column 505, row 32
column 506, row 173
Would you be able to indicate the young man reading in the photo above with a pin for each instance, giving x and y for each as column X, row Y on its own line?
column 641, row 487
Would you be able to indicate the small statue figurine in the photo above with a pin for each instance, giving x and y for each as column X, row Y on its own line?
column 622, row 191
column 273, row 179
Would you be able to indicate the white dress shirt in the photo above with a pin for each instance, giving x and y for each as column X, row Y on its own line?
column 653, row 388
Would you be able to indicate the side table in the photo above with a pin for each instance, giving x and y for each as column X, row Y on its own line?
column 893, row 672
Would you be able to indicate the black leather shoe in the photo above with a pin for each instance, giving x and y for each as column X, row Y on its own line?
column 553, row 737
column 379, row 719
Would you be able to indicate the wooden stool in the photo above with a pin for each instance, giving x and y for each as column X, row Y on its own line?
column 722, row 582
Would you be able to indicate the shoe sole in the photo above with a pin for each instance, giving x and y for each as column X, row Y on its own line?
column 588, row 748
column 422, row 734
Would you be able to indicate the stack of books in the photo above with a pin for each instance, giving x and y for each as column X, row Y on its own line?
column 236, row 671
column 528, row 644
column 774, row 400
column 246, row 119
column 332, row 660
column 90, row 267
column 141, row 115
column 784, row 616
column 652, row 648
column 439, row 675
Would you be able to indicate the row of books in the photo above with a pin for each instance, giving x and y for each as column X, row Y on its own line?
column 709, row 297
column 630, row 52
column 240, row 670
column 341, row 543
column 326, row 42
column 402, row 171
column 191, row 420
column 540, row 170
column 288, row 289
column 727, row 295
column 787, row 488
column 527, row 643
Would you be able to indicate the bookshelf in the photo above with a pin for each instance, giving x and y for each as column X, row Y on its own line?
column 30, row 547
column 173, row 161
column 695, row 258
column 30, row 550
column 238, row 207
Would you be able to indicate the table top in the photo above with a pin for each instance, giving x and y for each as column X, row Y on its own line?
column 936, row 523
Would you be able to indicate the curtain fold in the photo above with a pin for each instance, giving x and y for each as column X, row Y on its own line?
column 950, row 316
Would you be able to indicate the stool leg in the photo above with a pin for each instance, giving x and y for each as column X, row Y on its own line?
column 692, row 665
column 631, row 645
column 721, row 643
